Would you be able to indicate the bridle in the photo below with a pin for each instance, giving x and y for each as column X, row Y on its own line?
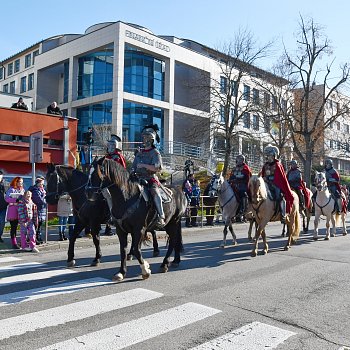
column 218, row 189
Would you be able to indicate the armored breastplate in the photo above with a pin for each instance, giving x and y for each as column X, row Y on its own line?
column 270, row 171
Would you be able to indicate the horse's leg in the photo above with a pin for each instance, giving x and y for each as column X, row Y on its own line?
column 78, row 227
column 328, row 225
column 283, row 230
column 95, row 231
column 343, row 215
column 123, row 242
column 171, row 231
column 266, row 246
column 131, row 251
column 256, row 240
column 251, row 223
column 334, row 227
column 234, row 238
column 222, row 245
column 316, row 222
column 136, row 244
column 155, row 244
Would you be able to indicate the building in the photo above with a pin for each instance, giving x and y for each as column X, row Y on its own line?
column 59, row 141
column 123, row 77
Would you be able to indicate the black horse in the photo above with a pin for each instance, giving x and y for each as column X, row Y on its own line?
column 133, row 213
column 61, row 179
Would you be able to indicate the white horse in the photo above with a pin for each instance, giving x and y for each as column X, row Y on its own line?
column 228, row 203
column 324, row 205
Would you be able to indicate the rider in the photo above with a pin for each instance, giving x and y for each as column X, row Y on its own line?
column 296, row 183
column 114, row 152
column 275, row 176
column 333, row 183
column 147, row 163
column 238, row 180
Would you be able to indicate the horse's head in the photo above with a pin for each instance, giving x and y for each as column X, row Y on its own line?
column 95, row 181
column 257, row 189
column 54, row 185
column 320, row 181
column 215, row 186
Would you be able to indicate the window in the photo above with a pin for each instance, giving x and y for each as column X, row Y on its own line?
column 223, row 85
column 246, row 120
column 267, row 99
column 267, row 124
column 347, row 128
column 17, row 65
column 246, row 92
column 35, row 53
column 23, row 84
column 1, row 73
column 256, row 96
column 255, row 122
column 31, row 81
column 234, row 88
column 274, row 103
column 222, row 114
column 5, row 88
column 232, row 114
column 12, row 87
column 284, row 105
column 27, row 60
column 9, row 69
column 338, row 125
column 331, row 125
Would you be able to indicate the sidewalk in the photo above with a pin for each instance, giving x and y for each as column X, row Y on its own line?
column 84, row 242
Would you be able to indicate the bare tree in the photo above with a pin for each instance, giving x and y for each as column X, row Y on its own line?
column 229, row 90
column 314, row 87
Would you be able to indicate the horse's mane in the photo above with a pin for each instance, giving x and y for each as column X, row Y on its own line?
column 120, row 176
column 254, row 181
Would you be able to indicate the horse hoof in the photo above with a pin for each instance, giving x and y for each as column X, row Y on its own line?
column 345, row 233
column 286, row 248
column 95, row 262
column 305, row 231
column 129, row 257
column 326, row 238
column 264, row 252
column 163, row 269
column 156, row 253
column 71, row 263
column 253, row 254
column 315, row 238
column 332, row 235
column 234, row 243
column 146, row 276
column 222, row 245
column 282, row 235
column 117, row 277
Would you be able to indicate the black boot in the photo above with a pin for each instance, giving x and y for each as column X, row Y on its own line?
column 64, row 236
column 39, row 240
column 60, row 237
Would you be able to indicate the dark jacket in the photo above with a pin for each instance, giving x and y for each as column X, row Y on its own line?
column 51, row 110
column 38, row 197
column 20, row 106
column 3, row 203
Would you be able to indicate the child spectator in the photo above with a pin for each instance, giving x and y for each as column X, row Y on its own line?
column 65, row 214
column 28, row 220
column 195, row 201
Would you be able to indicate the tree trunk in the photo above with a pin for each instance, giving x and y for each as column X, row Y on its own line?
column 227, row 158
column 308, row 166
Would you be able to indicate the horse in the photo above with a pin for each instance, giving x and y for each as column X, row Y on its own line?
column 324, row 205
column 133, row 211
column 263, row 207
column 61, row 179
column 229, row 204
column 306, row 214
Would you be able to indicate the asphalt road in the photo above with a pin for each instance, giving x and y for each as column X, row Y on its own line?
column 299, row 299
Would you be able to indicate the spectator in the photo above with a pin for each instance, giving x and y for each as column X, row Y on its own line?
column 187, row 189
column 3, row 206
column 12, row 195
column 20, row 104
column 88, row 137
column 65, row 214
column 38, row 197
column 195, row 201
column 190, row 178
column 54, row 109
column 28, row 220
column 85, row 158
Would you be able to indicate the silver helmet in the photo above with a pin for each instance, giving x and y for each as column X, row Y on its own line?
column 240, row 159
column 271, row 153
column 293, row 163
column 113, row 143
column 149, row 135
column 328, row 163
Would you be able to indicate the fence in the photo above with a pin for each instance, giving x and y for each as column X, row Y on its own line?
column 201, row 215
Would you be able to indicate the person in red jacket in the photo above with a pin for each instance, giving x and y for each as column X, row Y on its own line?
column 275, row 176
column 296, row 182
column 238, row 180
column 114, row 151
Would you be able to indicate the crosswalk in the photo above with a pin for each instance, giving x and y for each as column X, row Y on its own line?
column 252, row 336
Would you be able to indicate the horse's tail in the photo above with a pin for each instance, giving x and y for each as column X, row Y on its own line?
column 297, row 224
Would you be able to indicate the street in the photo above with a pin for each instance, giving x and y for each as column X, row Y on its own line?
column 216, row 299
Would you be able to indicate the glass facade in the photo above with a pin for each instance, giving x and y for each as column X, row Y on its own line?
column 66, row 81
column 100, row 113
column 136, row 116
column 95, row 74
column 143, row 74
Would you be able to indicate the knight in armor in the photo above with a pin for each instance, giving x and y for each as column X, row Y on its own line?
column 275, row 177
column 333, row 183
column 296, row 183
column 146, row 165
column 114, row 151
column 238, row 180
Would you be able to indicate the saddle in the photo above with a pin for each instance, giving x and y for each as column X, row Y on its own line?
column 165, row 193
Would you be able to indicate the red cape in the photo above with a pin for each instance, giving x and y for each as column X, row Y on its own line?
column 280, row 180
column 306, row 195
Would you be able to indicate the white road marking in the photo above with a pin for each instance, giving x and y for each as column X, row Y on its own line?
column 21, row 266
column 72, row 312
column 44, row 292
column 34, row 276
column 136, row 331
column 9, row 259
column 253, row 336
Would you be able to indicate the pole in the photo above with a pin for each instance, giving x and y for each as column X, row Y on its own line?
column 33, row 173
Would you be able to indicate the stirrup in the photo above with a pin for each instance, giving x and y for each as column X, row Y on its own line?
column 160, row 223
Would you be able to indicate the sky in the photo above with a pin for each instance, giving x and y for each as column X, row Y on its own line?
column 210, row 22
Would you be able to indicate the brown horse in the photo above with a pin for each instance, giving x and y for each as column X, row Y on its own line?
column 263, row 207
